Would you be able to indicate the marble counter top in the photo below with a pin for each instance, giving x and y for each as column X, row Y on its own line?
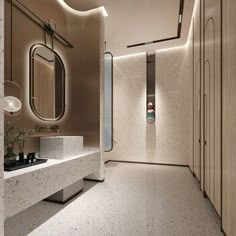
column 25, row 187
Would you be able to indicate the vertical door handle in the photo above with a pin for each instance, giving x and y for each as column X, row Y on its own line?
column 205, row 126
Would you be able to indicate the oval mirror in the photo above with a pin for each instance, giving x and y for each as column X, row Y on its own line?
column 47, row 83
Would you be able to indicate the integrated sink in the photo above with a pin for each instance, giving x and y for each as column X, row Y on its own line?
column 60, row 147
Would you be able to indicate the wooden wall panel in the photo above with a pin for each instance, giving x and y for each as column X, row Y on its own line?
column 207, row 98
column 229, row 117
column 216, row 63
column 211, row 39
column 212, row 101
column 82, row 116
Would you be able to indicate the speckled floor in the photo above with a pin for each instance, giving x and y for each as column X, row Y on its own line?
column 134, row 200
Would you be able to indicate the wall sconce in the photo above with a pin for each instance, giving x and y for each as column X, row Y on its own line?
column 12, row 99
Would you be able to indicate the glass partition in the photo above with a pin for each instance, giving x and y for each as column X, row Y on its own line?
column 108, row 87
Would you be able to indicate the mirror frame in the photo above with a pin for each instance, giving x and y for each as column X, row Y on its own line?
column 31, row 84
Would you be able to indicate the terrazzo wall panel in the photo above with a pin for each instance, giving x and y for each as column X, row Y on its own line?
column 174, row 106
column 129, row 107
column 1, row 116
column 189, row 74
column 101, row 175
column 169, row 139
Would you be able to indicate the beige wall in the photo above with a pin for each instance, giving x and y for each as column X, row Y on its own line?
column 196, row 73
column 1, row 117
column 83, row 65
column 169, row 139
column 229, row 117
column 173, row 106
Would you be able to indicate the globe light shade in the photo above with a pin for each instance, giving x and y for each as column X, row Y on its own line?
column 12, row 104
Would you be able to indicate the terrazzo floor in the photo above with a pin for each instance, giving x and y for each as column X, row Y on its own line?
column 134, row 200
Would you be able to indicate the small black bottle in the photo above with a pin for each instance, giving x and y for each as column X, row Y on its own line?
column 21, row 157
column 28, row 160
column 31, row 158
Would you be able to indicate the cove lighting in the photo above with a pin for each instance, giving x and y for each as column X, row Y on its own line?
column 82, row 13
column 104, row 11
column 131, row 55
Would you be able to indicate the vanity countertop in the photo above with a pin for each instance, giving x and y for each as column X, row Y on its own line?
column 50, row 162
column 25, row 187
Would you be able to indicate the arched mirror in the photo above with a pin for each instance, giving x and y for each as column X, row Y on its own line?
column 47, row 83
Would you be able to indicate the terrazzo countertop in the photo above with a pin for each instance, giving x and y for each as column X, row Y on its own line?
column 49, row 163
column 25, row 187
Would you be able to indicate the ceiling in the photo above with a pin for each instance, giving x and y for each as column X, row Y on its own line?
column 138, row 21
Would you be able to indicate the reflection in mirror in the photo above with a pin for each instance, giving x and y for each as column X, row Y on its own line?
column 47, row 83
column 151, row 83
column 108, row 102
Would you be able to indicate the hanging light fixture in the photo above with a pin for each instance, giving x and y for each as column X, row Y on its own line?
column 12, row 104
column 12, row 91
column 12, row 99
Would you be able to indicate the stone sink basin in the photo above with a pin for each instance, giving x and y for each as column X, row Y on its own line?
column 60, row 147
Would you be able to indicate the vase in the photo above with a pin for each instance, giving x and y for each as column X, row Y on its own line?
column 10, row 157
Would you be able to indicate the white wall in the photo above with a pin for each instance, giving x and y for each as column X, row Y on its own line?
column 169, row 140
